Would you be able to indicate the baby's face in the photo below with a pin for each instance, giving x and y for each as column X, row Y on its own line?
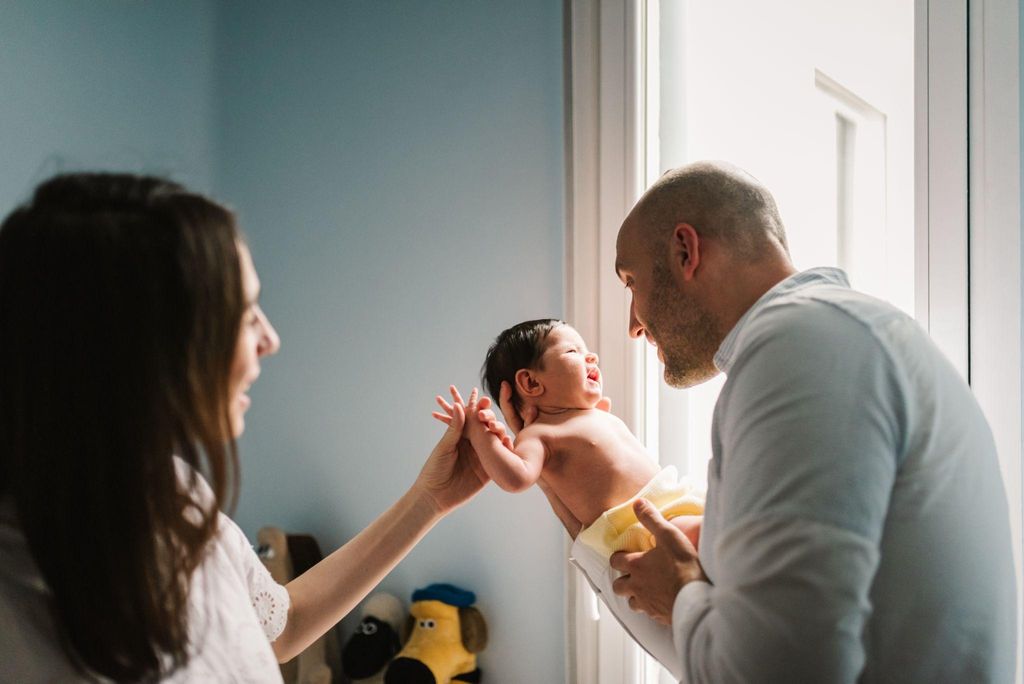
column 570, row 374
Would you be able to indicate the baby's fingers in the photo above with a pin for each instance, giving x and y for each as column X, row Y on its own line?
column 495, row 427
column 499, row 431
column 447, row 420
column 471, row 404
column 456, row 397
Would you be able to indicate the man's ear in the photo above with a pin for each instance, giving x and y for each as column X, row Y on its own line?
column 685, row 250
column 527, row 383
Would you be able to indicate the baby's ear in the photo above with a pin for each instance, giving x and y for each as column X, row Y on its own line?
column 527, row 383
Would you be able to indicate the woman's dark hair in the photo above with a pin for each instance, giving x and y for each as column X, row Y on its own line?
column 120, row 306
column 521, row 346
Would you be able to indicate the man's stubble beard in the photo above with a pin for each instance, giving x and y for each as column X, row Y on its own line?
column 685, row 332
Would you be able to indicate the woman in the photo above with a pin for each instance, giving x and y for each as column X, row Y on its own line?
column 130, row 332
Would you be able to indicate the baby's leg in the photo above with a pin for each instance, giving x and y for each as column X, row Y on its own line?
column 690, row 526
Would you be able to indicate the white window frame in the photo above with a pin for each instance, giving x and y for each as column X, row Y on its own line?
column 994, row 181
column 606, row 175
column 967, row 237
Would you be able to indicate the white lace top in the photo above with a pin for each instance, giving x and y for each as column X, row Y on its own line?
column 236, row 610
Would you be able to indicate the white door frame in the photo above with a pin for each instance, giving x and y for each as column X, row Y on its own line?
column 606, row 176
column 995, row 244
column 957, row 186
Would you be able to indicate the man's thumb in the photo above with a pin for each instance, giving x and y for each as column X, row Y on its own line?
column 651, row 518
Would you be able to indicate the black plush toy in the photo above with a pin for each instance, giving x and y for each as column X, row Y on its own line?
column 376, row 640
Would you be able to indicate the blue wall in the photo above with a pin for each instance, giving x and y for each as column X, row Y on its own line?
column 114, row 85
column 398, row 168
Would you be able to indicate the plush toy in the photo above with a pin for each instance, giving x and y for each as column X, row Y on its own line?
column 447, row 633
column 376, row 640
column 286, row 556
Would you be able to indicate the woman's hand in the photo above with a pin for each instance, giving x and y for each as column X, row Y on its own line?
column 452, row 474
column 328, row 591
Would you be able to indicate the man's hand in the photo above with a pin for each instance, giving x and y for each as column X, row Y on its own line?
column 652, row 579
column 517, row 421
column 513, row 418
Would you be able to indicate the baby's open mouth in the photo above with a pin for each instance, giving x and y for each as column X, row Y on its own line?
column 594, row 375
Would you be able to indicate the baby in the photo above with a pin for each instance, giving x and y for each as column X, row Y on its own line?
column 585, row 459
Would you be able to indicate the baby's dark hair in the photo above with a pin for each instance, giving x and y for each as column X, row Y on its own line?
column 520, row 346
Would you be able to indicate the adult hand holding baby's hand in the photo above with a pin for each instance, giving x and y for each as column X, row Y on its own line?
column 476, row 410
column 452, row 474
column 485, row 414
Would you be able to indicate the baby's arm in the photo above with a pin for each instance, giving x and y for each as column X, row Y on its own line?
column 515, row 468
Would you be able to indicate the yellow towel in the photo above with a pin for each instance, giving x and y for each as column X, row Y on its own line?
column 618, row 529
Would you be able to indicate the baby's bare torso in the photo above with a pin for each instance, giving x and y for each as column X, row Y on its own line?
column 593, row 461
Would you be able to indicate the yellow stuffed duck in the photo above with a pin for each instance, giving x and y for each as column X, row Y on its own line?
column 447, row 633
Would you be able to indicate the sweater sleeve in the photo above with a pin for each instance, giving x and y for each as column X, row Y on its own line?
column 809, row 434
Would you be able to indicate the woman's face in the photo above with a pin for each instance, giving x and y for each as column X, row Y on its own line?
column 256, row 338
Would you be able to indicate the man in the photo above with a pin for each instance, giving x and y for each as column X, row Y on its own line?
column 856, row 525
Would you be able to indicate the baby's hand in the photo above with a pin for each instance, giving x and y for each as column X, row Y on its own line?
column 485, row 420
column 485, row 415
column 449, row 409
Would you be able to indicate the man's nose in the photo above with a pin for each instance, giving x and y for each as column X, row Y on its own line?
column 635, row 329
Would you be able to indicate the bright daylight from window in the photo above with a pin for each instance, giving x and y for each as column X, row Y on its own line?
column 787, row 91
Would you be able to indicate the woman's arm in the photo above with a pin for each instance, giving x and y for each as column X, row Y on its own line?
column 328, row 591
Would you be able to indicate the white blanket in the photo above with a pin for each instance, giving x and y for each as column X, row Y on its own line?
column 654, row 638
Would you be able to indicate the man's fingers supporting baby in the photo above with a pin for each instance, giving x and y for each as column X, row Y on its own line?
column 663, row 531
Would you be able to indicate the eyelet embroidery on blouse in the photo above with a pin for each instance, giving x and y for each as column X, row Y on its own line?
column 270, row 601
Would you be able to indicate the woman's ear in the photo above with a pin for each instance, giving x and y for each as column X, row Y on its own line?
column 527, row 383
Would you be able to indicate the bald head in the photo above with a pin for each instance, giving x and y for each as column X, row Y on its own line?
column 720, row 201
